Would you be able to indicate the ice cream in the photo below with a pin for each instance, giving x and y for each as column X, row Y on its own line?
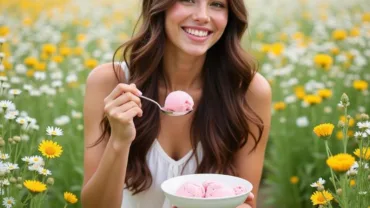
column 191, row 189
column 209, row 189
column 216, row 189
column 178, row 101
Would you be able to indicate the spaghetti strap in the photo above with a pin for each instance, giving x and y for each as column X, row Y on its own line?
column 125, row 70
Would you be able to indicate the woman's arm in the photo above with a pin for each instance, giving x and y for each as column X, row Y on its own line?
column 250, row 164
column 105, row 164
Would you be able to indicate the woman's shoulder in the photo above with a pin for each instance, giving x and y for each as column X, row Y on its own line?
column 259, row 94
column 106, row 75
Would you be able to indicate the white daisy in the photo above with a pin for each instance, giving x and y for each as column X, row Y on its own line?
column 2, row 67
column 12, row 166
column 34, row 167
column 8, row 202
column 5, row 182
column 39, row 75
column 15, row 91
column 54, row 131
column 3, row 168
column 318, row 183
column 44, row 171
column 76, row 114
column 5, row 104
column 2, row 40
column 363, row 125
column 21, row 120
column 62, row 120
column 302, row 121
column 5, row 85
column 26, row 159
column 37, row 160
column 27, row 87
column 9, row 116
column 4, row 156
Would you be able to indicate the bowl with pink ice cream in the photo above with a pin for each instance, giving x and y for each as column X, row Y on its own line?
column 206, row 190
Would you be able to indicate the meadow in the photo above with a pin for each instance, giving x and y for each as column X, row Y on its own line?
column 314, row 53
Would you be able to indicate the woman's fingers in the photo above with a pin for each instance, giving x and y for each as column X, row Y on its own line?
column 120, row 89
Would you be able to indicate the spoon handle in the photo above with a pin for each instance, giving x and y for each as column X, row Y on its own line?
column 146, row 98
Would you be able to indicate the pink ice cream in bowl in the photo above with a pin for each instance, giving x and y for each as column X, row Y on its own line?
column 206, row 190
column 177, row 103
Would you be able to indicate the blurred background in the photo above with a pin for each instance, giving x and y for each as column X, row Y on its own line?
column 311, row 52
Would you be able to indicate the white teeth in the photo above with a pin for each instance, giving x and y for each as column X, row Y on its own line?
column 200, row 33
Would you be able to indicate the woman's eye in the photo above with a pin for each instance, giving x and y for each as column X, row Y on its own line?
column 187, row 1
column 218, row 4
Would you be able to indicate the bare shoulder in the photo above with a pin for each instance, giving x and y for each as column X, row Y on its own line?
column 259, row 93
column 105, row 74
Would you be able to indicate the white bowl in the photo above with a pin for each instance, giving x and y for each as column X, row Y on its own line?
column 170, row 186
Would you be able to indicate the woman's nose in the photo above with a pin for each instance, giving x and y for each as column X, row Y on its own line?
column 201, row 14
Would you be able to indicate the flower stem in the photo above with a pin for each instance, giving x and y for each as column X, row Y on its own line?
column 331, row 171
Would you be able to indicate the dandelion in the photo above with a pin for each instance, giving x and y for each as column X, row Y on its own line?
column 351, row 121
column 340, row 162
column 360, row 85
column 364, row 154
column 70, row 198
column 8, row 202
column 91, row 63
column 54, row 131
column 321, row 197
column 325, row 93
column 339, row 34
column 352, row 182
column 323, row 61
column 279, row 106
column 312, row 99
column 294, row 180
column 50, row 149
column 34, row 186
column 324, row 130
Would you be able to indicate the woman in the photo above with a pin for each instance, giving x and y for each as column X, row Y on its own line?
column 188, row 45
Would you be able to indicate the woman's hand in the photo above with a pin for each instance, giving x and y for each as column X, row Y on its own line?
column 121, row 106
column 249, row 198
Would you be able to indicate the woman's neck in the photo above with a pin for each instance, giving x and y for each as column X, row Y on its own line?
column 182, row 71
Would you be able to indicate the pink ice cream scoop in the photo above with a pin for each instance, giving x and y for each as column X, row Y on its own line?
column 178, row 101
column 239, row 190
column 191, row 189
column 217, row 189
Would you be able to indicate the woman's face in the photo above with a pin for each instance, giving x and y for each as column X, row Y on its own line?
column 194, row 26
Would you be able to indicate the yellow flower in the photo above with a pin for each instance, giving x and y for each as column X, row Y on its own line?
column 360, row 85
column 57, row 59
column 321, row 197
column 366, row 17
column 340, row 162
column 34, row 186
column 50, row 149
column 277, row 49
column 27, row 21
column 364, row 154
column 49, row 48
column 325, row 93
column 40, row 66
column 335, row 50
column 70, row 198
column 312, row 99
column 81, row 37
column 339, row 135
column 351, row 121
column 298, row 36
column 294, row 179
column 324, row 61
column 355, row 32
column 339, row 34
column 352, row 182
column 324, row 130
column 4, row 30
column 299, row 92
column 279, row 106
column 91, row 63
column 265, row 48
column 77, row 51
column 30, row 61
column 65, row 51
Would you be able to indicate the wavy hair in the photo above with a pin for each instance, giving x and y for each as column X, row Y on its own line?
column 220, row 122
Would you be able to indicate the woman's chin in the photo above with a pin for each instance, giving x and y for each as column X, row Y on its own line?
column 195, row 51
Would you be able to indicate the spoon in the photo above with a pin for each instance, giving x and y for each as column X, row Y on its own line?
column 167, row 112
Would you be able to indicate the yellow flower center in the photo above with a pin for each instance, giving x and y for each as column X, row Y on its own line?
column 50, row 150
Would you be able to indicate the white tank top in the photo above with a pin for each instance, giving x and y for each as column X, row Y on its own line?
column 162, row 167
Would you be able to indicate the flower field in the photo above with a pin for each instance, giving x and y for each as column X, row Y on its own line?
column 314, row 53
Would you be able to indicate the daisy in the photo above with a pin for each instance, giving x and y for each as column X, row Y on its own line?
column 8, row 202
column 21, row 120
column 363, row 125
column 12, row 166
column 15, row 91
column 26, row 159
column 54, row 131
column 4, row 156
column 318, row 183
column 3, row 79
column 36, row 160
column 44, row 171
column 5, row 182
column 5, row 104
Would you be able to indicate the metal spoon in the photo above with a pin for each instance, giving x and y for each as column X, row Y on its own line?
column 167, row 112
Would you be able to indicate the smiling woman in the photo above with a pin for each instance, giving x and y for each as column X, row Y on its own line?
column 187, row 45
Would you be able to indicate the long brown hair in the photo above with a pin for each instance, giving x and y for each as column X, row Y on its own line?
column 221, row 120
